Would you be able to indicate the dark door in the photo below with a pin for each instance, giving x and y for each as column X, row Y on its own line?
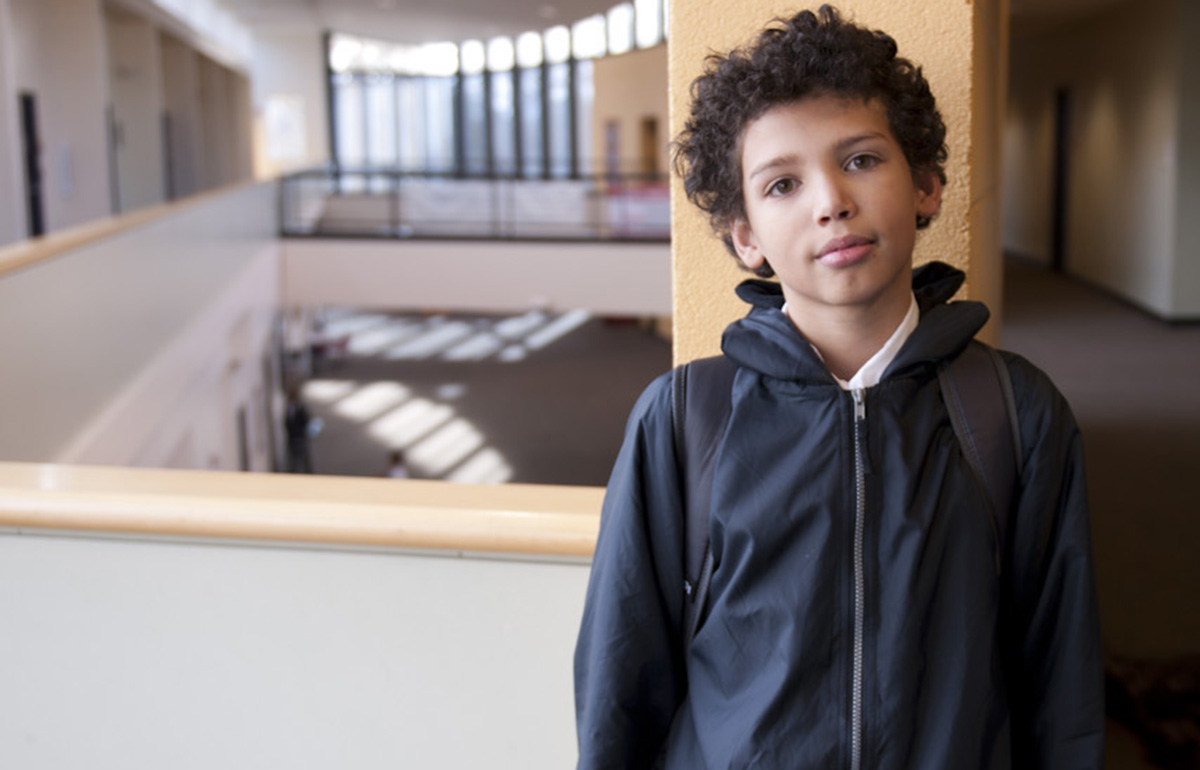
column 31, row 153
column 1062, row 168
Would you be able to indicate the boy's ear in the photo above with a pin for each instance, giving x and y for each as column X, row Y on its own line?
column 745, row 244
column 929, row 193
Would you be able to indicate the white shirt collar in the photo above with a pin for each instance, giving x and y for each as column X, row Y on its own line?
column 872, row 371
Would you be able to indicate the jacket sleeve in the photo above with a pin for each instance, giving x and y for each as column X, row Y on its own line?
column 628, row 669
column 1056, row 668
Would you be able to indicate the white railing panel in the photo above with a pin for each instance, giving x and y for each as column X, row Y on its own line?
column 149, row 654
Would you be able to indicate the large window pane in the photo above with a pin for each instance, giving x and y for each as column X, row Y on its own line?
column 532, row 149
column 474, row 112
column 350, row 148
column 558, row 45
column 501, row 55
column 440, row 136
column 558, row 121
column 410, row 122
column 504, row 139
column 381, row 121
column 473, row 57
column 620, row 28
column 649, row 22
column 351, row 145
column 587, row 37
column 584, row 97
column 529, row 50
column 343, row 52
column 437, row 59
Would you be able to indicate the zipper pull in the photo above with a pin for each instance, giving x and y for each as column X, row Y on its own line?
column 860, row 427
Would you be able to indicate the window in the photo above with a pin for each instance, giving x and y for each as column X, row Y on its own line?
column 508, row 106
column 620, row 28
column 649, row 15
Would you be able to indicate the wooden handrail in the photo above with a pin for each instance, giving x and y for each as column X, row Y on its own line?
column 23, row 254
column 554, row 521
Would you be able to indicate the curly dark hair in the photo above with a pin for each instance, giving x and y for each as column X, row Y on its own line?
column 808, row 54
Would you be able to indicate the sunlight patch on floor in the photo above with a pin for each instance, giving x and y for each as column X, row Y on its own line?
column 437, row 442
column 376, row 340
column 557, row 329
column 447, row 447
column 408, row 423
column 326, row 391
column 437, row 338
column 371, row 400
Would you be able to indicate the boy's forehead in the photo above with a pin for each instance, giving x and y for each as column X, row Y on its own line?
column 822, row 109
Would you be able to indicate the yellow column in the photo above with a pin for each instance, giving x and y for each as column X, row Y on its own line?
column 961, row 46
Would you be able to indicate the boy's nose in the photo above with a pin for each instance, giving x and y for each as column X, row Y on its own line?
column 833, row 203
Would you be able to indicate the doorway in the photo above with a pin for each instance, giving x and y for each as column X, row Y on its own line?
column 1062, row 169
column 31, row 151
column 649, row 147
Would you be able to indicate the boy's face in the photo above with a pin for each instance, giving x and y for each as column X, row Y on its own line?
column 832, row 204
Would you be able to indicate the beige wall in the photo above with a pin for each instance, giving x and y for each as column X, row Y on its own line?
column 960, row 46
column 630, row 88
column 1185, row 283
column 12, row 188
column 136, row 88
column 1128, row 159
column 58, row 53
column 181, row 99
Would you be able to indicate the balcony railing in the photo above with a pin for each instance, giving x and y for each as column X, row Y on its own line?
column 160, row 618
column 382, row 203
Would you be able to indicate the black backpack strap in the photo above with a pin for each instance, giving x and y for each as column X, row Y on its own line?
column 978, row 392
column 700, row 407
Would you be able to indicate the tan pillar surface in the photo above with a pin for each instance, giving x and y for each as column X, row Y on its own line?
column 958, row 44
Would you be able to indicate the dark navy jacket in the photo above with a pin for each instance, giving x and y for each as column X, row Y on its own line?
column 863, row 612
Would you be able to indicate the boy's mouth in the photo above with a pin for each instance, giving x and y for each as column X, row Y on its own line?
column 845, row 250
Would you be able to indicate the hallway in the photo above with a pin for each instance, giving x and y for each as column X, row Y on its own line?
column 1134, row 385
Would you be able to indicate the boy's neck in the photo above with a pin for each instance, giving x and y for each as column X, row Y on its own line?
column 847, row 337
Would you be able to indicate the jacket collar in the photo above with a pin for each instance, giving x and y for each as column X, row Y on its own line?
column 768, row 342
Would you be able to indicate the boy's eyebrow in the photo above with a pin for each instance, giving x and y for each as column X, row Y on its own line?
column 779, row 160
column 840, row 146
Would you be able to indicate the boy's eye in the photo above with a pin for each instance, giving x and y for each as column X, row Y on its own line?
column 862, row 162
column 782, row 187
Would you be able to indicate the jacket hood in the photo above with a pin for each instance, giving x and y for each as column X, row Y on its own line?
column 768, row 342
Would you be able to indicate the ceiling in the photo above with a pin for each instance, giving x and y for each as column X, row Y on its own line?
column 416, row 21
column 419, row 21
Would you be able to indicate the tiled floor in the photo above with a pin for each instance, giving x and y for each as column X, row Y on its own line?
column 534, row 398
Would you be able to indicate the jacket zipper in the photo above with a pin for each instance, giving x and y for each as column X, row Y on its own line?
column 860, row 505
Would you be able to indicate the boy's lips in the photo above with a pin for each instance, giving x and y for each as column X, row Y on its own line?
column 845, row 250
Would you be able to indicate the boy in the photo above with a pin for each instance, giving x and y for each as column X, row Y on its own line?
column 864, row 610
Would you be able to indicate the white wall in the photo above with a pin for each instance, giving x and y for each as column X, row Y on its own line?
column 289, row 95
column 136, row 85
column 131, row 349
column 58, row 52
column 146, row 655
column 1123, row 72
column 607, row 278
